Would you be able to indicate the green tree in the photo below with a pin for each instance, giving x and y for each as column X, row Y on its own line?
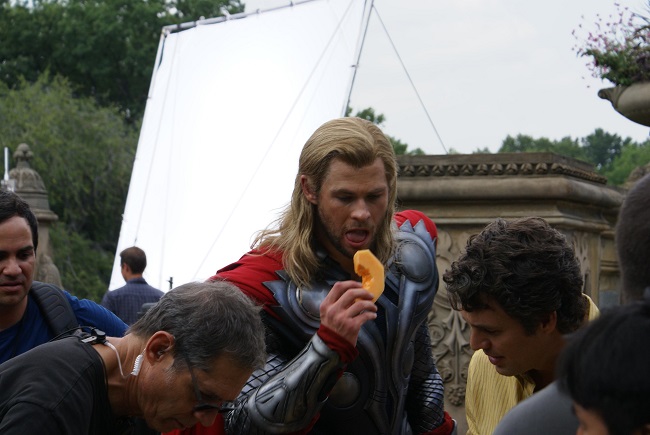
column 369, row 115
column 602, row 148
column 84, row 153
column 611, row 155
column 85, row 269
column 570, row 148
column 523, row 143
column 632, row 155
column 106, row 48
column 519, row 144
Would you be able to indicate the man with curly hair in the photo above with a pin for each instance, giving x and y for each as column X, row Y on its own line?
column 551, row 411
column 519, row 286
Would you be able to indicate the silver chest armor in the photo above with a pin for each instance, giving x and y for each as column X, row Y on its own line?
column 370, row 396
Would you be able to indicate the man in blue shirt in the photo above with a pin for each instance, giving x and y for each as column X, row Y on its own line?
column 127, row 301
column 22, row 323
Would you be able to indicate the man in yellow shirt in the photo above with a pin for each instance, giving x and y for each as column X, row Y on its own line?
column 519, row 287
column 551, row 411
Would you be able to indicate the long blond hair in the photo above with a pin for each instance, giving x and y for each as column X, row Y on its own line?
column 356, row 142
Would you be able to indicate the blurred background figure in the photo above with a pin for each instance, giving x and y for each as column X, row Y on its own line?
column 126, row 302
column 604, row 369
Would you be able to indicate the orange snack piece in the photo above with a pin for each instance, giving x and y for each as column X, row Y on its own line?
column 371, row 271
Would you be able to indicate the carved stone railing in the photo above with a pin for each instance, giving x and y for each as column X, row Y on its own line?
column 463, row 193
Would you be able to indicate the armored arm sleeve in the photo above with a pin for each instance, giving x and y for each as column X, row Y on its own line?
column 425, row 401
column 286, row 396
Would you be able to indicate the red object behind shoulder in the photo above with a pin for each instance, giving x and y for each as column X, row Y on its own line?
column 446, row 428
column 250, row 273
column 199, row 429
column 415, row 216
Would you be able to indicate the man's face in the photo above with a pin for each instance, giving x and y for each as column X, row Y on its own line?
column 167, row 397
column 351, row 206
column 17, row 258
column 504, row 340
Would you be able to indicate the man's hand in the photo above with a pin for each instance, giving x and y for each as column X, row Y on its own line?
column 346, row 308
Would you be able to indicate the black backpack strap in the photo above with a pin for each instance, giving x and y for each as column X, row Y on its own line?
column 55, row 307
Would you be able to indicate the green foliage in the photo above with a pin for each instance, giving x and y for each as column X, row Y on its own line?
column 85, row 270
column 399, row 146
column 192, row 10
column 368, row 114
column 523, row 143
column 602, row 148
column 84, row 153
column 106, row 48
column 402, row 149
column 632, row 156
column 611, row 155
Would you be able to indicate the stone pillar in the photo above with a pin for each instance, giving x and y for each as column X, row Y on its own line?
column 463, row 193
column 30, row 187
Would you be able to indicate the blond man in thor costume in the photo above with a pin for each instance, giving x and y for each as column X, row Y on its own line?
column 339, row 363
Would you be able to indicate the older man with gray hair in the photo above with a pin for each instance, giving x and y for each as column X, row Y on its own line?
column 179, row 365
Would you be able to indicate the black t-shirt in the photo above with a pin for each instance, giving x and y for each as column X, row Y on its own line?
column 56, row 388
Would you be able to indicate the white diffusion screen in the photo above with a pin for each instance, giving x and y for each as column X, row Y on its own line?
column 230, row 106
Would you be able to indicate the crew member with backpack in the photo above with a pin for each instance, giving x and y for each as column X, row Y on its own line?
column 32, row 313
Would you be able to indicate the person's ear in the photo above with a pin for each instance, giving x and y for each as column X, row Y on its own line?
column 549, row 324
column 307, row 190
column 159, row 346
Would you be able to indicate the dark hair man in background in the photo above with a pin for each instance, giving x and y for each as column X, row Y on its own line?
column 127, row 301
column 519, row 287
column 24, row 318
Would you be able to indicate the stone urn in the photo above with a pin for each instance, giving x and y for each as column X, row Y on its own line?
column 632, row 101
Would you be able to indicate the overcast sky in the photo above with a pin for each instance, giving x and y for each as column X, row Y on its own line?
column 483, row 69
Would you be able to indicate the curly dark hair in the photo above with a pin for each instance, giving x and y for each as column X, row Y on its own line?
column 527, row 267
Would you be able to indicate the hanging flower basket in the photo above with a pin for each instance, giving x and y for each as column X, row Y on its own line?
column 632, row 101
column 619, row 51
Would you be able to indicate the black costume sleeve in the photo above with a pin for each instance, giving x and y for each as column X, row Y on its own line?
column 425, row 400
column 286, row 396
